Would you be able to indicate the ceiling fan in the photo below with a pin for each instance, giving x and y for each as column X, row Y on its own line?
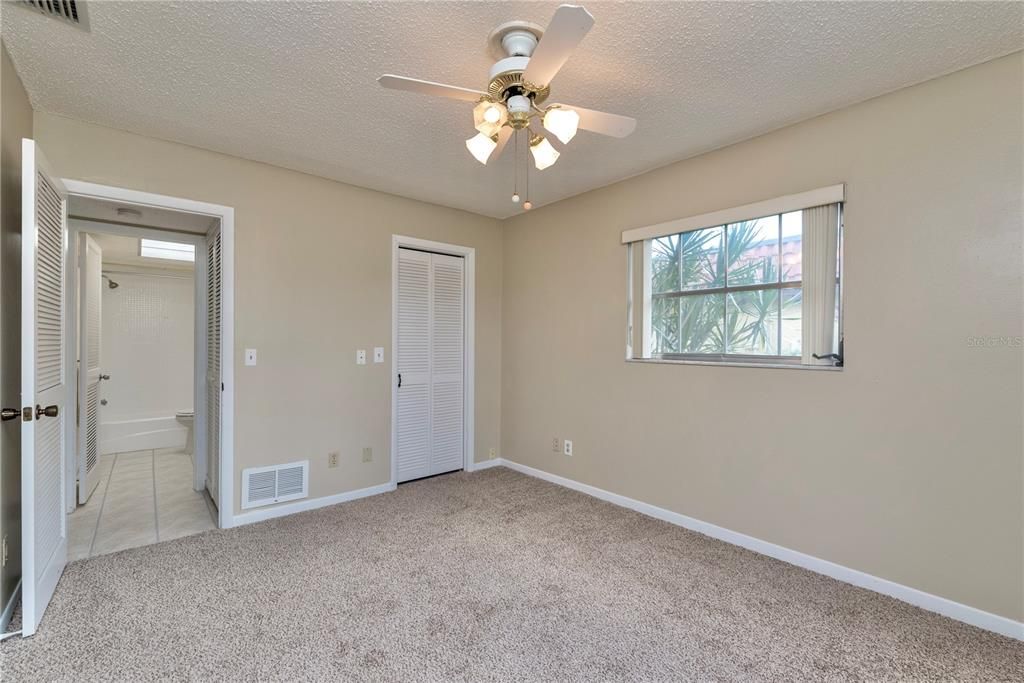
column 529, row 58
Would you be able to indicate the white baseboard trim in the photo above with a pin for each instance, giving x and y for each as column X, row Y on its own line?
column 309, row 504
column 12, row 603
column 484, row 464
column 918, row 598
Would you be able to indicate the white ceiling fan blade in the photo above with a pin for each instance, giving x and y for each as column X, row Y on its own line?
column 567, row 28
column 503, row 137
column 453, row 92
column 602, row 122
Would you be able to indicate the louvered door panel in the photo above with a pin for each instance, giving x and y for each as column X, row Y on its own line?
column 49, row 365
column 48, row 508
column 430, row 360
column 49, row 286
column 413, row 363
column 446, row 351
column 213, row 366
column 43, row 384
column 90, row 268
column 92, row 404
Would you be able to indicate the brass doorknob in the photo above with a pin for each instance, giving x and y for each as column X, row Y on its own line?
column 48, row 411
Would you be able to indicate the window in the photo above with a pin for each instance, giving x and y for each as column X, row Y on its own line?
column 762, row 290
column 733, row 289
column 173, row 251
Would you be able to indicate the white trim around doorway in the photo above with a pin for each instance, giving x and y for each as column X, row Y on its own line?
column 469, row 377
column 226, row 216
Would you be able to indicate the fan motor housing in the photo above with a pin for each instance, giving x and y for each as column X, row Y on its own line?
column 512, row 44
column 507, row 81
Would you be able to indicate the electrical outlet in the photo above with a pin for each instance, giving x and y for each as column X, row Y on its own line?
column 332, row 459
column 367, row 454
column 568, row 447
column 361, row 357
column 554, row 446
column 492, row 454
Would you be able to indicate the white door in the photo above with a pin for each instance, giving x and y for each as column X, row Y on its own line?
column 90, row 269
column 214, row 381
column 43, row 253
column 430, row 363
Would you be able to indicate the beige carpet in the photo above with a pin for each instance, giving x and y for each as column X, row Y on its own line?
column 487, row 576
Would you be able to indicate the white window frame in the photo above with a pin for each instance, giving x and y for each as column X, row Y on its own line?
column 183, row 255
column 834, row 194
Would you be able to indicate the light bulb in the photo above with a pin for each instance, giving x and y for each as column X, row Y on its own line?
column 543, row 153
column 563, row 123
column 489, row 117
column 515, row 198
column 481, row 146
column 527, row 205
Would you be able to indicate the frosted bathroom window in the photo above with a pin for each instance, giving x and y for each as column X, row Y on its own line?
column 172, row 251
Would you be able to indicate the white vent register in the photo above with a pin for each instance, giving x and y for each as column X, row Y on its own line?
column 274, row 484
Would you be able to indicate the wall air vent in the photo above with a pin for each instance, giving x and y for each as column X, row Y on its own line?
column 69, row 11
column 275, row 484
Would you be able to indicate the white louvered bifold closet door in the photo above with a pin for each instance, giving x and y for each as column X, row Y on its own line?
column 446, row 360
column 91, row 293
column 214, row 386
column 413, row 361
column 429, row 354
column 44, row 243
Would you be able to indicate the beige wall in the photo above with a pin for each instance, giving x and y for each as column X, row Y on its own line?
column 15, row 124
column 312, row 285
column 907, row 464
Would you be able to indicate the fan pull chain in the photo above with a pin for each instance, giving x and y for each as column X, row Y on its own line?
column 527, row 205
column 515, row 157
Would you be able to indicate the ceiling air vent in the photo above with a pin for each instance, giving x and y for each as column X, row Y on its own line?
column 68, row 11
column 274, row 484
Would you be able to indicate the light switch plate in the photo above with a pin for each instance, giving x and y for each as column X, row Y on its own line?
column 361, row 357
column 378, row 354
column 250, row 356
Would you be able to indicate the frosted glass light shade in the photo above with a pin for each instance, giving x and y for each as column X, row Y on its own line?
column 543, row 154
column 489, row 117
column 562, row 123
column 481, row 146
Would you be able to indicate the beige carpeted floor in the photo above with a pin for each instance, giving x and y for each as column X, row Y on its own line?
column 486, row 576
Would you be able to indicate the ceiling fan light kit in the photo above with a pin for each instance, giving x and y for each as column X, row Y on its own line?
column 528, row 58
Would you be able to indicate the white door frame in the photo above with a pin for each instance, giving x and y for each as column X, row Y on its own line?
column 469, row 366
column 226, row 215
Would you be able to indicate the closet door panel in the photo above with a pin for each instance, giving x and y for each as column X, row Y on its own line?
column 413, row 356
column 447, row 355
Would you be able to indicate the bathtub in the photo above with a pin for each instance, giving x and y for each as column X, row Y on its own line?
column 141, row 434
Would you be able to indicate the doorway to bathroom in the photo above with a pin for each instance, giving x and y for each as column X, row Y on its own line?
column 144, row 469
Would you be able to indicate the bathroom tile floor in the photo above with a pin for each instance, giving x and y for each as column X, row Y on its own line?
column 143, row 497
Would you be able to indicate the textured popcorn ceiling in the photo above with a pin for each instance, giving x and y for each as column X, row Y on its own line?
column 293, row 84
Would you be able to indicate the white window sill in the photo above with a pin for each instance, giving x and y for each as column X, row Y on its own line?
column 737, row 364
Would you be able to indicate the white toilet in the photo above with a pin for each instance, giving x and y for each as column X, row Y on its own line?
column 187, row 418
